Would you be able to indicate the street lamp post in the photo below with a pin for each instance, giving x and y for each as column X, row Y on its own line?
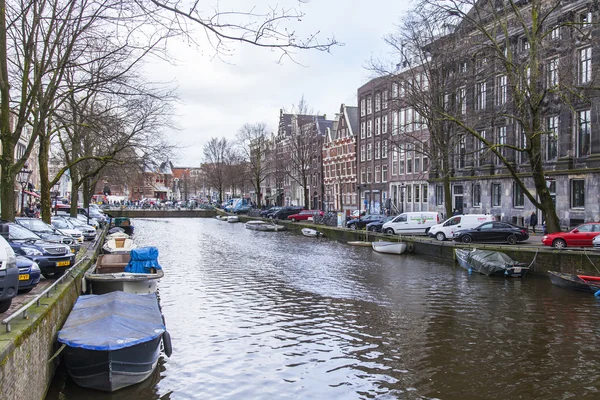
column 23, row 178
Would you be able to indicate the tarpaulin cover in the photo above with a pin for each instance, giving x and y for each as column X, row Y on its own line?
column 490, row 262
column 143, row 260
column 112, row 321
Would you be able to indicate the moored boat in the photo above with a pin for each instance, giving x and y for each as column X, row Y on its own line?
column 136, row 273
column 389, row 247
column 123, row 223
column 127, row 350
column 233, row 218
column 490, row 263
column 311, row 232
column 584, row 283
column 118, row 245
column 257, row 225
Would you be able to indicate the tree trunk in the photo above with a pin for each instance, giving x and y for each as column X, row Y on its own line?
column 46, row 200
column 445, row 170
column 74, row 188
column 7, row 188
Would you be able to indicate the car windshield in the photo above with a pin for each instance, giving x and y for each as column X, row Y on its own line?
column 76, row 222
column 17, row 232
column 37, row 225
column 60, row 224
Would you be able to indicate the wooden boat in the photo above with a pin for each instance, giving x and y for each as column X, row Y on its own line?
column 359, row 243
column 127, row 350
column 233, row 218
column 257, row 225
column 120, row 245
column 123, row 223
column 584, row 283
column 490, row 263
column 111, row 273
column 221, row 217
column 311, row 232
column 389, row 247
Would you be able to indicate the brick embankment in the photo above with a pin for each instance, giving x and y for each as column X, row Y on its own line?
column 25, row 369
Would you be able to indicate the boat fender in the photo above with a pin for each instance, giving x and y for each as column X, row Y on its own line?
column 597, row 294
column 410, row 246
column 83, row 285
column 166, row 339
column 470, row 271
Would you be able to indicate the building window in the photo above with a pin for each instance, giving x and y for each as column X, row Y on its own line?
column 378, row 126
column 394, row 162
column 585, row 65
column 363, row 176
column 394, row 90
column 425, row 193
column 369, row 128
column 425, row 163
column 478, row 156
column 409, row 156
column 377, row 102
column 385, row 99
column 521, row 143
column 518, row 196
column 362, row 107
column 409, row 120
column 417, row 193
column 369, row 151
column 377, row 173
column 377, row 150
column 476, row 195
column 551, row 138
column 577, row 193
column 462, row 100
column 409, row 193
column 395, row 122
column 439, row 195
column 501, row 143
column 363, row 129
column 496, row 195
column 555, row 34
column 384, row 124
column 369, row 105
column 481, row 96
column 369, row 175
column 501, row 90
column 384, row 149
column 461, row 152
column 401, row 161
column 362, row 152
column 524, row 44
column 552, row 73
column 585, row 18
column 584, row 130
column 384, row 173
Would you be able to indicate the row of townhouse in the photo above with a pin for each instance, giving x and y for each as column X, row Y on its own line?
column 376, row 157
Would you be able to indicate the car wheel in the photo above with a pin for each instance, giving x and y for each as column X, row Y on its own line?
column 467, row 239
column 293, row 219
column 53, row 275
column 427, row 231
column 389, row 231
column 5, row 305
column 440, row 236
column 353, row 227
column 559, row 244
column 512, row 239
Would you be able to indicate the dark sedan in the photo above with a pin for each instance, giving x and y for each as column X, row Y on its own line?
column 285, row 212
column 48, row 232
column 361, row 223
column 268, row 213
column 29, row 274
column 376, row 225
column 493, row 232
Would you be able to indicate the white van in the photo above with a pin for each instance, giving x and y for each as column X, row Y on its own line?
column 412, row 223
column 446, row 229
column 9, row 275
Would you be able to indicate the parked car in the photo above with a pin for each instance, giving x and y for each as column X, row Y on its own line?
column 596, row 242
column 446, row 229
column 93, row 212
column 582, row 236
column 304, row 215
column 412, row 223
column 284, row 212
column 493, row 232
column 9, row 273
column 376, row 226
column 53, row 258
column 48, row 232
column 88, row 232
column 268, row 213
column 29, row 274
column 361, row 223
column 62, row 225
column 242, row 209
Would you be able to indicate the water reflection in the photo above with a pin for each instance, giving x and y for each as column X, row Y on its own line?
column 278, row 315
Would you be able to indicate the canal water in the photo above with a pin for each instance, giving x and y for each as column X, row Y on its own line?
column 275, row 315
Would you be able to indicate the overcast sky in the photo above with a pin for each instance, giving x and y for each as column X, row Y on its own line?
column 217, row 98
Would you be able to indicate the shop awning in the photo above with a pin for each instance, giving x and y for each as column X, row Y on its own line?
column 31, row 193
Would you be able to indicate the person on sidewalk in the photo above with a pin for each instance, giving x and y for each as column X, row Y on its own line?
column 533, row 220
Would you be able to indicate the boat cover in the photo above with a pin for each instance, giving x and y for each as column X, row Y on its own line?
column 112, row 321
column 489, row 262
column 143, row 260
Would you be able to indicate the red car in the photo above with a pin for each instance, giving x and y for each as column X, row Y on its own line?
column 581, row 236
column 304, row 215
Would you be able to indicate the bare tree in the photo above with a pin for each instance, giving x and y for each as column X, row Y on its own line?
column 216, row 163
column 254, row 147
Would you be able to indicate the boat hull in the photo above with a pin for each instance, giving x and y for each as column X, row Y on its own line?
column 506, row 270
column 360, row 244
column 311, row 232
column 102, row 285
column 112, row 370
column 263, row 226
column 573, row 282
column 389, row 247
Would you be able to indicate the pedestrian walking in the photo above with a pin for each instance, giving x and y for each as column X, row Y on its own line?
column 533, row 220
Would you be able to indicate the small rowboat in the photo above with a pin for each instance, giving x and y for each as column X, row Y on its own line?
column 311, row 232
column 389, row 247
column 584, row 283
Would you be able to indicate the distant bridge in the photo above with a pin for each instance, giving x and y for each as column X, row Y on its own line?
column 148, row 213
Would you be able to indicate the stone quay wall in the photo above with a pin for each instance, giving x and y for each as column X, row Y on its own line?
column 26, row 368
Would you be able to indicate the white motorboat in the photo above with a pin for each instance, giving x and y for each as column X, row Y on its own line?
column 110, row 273
column 389, row 247
column 311, row 232
column 118, row 246
column 257, row 225
column 117, row 235
column 233, row 218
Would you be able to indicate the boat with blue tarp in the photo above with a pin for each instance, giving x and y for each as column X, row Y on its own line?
column 113, row 340
column 137, row 272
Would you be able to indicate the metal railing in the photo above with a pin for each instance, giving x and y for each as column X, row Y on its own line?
column 36, row 300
